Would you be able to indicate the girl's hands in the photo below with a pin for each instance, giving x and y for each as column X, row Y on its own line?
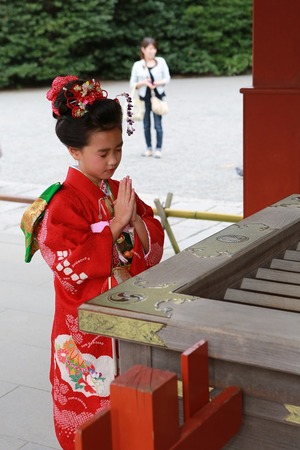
column 124, row 205
column 125, row 214
column 134, row 216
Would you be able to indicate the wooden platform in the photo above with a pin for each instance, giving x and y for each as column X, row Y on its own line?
column 239, row 290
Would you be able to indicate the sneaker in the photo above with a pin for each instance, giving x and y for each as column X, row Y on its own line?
column 157, row 154
column 147, row 153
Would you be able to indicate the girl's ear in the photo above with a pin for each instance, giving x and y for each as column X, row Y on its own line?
column 74, row 152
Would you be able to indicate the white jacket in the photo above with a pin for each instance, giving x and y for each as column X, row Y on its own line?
column 140, row 72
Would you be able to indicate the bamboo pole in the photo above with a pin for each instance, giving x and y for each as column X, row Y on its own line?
column 201, row 215
column 10, row 198
column 166, row 225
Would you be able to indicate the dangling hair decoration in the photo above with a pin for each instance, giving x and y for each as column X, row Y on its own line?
column 129, row 119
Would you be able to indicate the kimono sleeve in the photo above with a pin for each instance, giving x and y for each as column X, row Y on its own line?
column 68, row 245
column 155, row 235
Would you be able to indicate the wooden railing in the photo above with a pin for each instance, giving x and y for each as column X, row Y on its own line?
column 144, row 411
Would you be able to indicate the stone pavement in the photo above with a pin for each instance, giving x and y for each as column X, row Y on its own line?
column 203, row 144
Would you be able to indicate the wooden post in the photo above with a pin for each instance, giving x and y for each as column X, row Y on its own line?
column 144, row 409
column 272, row 106
column 195, row 379
column 95, row 433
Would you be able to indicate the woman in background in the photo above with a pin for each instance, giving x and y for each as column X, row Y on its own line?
column 150, row 75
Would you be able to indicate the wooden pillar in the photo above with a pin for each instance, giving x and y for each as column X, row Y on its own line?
column 272, row 106
column 144, row 409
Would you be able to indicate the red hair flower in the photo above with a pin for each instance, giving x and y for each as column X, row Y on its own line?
column 84, row 95
column 57, row 84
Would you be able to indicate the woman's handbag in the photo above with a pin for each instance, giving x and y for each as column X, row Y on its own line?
column 159, row 107
column 138, row 110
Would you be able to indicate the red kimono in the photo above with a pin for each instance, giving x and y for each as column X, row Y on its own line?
column 81, row 259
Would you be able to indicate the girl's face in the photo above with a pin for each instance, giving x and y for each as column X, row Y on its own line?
column 101, row 157
column 149, row 52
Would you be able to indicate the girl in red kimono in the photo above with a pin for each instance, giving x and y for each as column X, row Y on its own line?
column 95, row 232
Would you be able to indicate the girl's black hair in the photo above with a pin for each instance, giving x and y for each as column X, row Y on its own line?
column 102, row 115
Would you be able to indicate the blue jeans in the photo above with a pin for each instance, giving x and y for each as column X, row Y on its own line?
column 157, row 126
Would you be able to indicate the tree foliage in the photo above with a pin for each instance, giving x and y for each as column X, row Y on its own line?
column 40, row 39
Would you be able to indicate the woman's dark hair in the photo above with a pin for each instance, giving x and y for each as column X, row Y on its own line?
column 148, row 41
column 102, row 115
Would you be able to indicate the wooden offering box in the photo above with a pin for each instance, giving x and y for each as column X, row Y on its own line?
column 240, row 291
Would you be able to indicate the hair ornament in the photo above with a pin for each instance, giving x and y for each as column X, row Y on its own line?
column 80, row 96
column 129, row 119
column 57, row 84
